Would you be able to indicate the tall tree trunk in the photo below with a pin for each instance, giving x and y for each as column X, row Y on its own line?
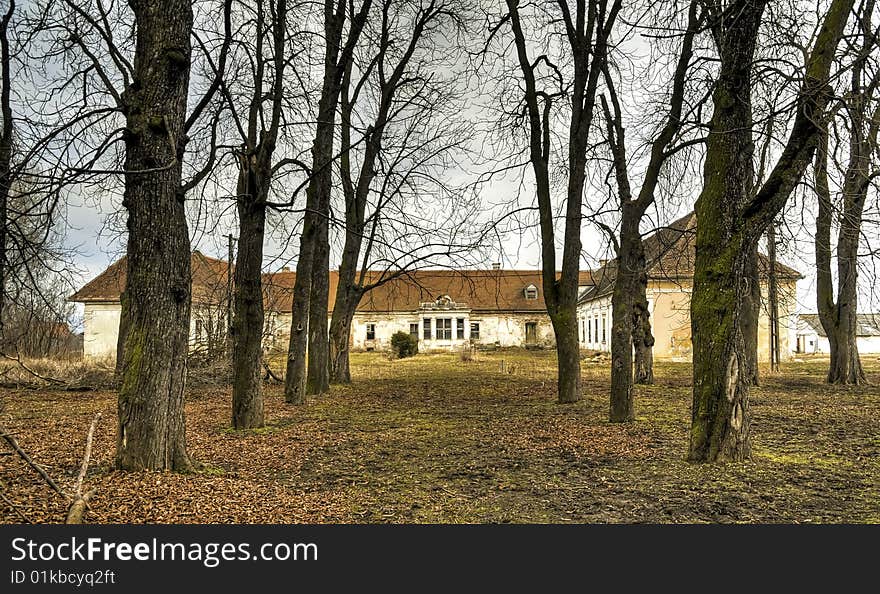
column 721, row 305
column 247, row 330
column 839, row 317
column 731, row 218
column 313, row 265
column 751, row 316
column 318, row 379
column 344, row 309
column 157, row 306
column 564, row 322
column 629, row 267
column 643, row 338
column 317, row 195
column 773, row 299
column 5, row 154
column 560, row 294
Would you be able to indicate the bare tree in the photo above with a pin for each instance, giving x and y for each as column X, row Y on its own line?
column 587, row 28
column 630, row 327
column 256, row 164
column 731, row 218
column 308, row 331
column 860, row 122
column 403, row 141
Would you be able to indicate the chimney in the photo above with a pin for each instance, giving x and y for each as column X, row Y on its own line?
column 603, row 262
column 496, row 265
column 285, row 269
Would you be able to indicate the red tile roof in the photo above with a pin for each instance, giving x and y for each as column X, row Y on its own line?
column 208, row 282
column 479, row 290
column 670, row 253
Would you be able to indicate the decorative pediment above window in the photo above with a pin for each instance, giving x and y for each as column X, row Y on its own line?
column 444, row 303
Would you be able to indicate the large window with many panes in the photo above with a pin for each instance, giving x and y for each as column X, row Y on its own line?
column 444, row 328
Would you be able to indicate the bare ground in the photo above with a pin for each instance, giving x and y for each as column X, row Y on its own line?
column 436, row 439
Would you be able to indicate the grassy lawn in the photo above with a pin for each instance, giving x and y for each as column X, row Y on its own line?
column 437, row 439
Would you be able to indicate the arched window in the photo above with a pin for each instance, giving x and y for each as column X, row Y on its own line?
column 531, row 292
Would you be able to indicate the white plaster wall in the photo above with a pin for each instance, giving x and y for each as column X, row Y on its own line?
column 100, row 330
column 588, row 313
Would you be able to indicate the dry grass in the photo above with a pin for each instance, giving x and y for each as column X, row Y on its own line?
column 433, row 438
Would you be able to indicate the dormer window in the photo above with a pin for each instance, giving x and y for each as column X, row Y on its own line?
column 531, row 292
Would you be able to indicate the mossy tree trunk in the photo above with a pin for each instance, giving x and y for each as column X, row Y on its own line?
column 731, row 218
column 151, row 430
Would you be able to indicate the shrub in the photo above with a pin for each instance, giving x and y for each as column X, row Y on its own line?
column 404, row 345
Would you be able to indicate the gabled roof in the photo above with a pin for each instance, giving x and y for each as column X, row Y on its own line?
column 670, row 253
column 208, row 282
column 867, row 324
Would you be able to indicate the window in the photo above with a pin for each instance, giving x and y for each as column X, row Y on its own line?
column 583, row 333
column 589, row 330
column 531, row 332
column 459, row 329
column 475, row 330
column 596, row 329
column 444, row 328
column 427, row 329
column 603, row 329
column 414, row 329
column 531, row 292
column 371, row 331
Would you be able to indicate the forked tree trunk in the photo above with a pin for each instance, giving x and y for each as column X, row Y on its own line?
column 722, row 296
column 248, row 321
column 300, row 332
column 731, row 218
column 839, row 316
column 308, row 330
column 151, row 427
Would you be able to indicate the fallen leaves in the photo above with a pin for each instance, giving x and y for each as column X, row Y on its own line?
column 434, row 439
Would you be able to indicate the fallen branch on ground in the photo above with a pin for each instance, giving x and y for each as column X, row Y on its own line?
column 80, row 502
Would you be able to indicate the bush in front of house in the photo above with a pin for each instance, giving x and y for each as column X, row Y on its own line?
column 404, row 345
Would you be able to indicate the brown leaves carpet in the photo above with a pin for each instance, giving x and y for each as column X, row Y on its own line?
column 437, row 439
